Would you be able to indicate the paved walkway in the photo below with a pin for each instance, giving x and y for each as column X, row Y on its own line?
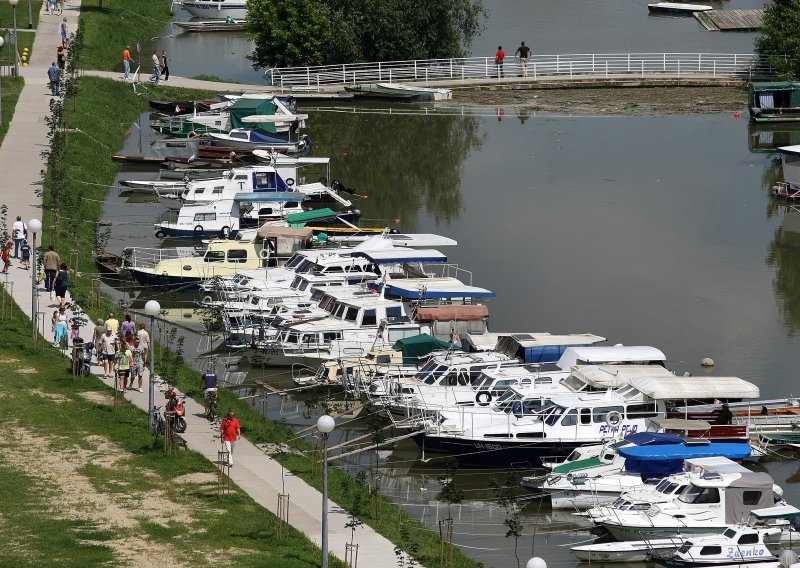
column 256, row 473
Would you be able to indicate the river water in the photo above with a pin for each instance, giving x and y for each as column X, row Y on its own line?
column 655, row 230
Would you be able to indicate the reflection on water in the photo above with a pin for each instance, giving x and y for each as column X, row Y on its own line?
column 784, row 257
column 770, row 137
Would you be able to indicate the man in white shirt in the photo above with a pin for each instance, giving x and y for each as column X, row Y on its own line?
column 18, row 232
column 156, row 69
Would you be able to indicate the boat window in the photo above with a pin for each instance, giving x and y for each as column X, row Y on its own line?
column 536, row 406
column 303, row 285
column 340, row 310
column 710, row 551
column 292, row 337
column 369, row 318
column 331, row 336
column 570, row 419
column 642, row 410
column 574, row 383
column 554, row 415
column 502, row 385
column 476, row 375
column 730, row 533
column 750, row 538
column 295, row 283
column 599, row 413
column 393, row 312
column 295, row 260
column 666, row 487
column 291, row 205
column 450, row 380
column 326, row 302
column 351, row 314
column 214, row 256
column 265, row 211
column 640, row 507
column 205, row 216
column 216, row 190
column 700, row 495
column 237, row 255
column 333, row 269
column 543, row 381
column 317, row 295
column 241, row 135
column 306, row 266
column 609, row 457
column 586, row 415
column 199, row 191
column 241, row 177
column 751, row 497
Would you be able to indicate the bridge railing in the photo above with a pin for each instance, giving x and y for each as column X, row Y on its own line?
column 452, row 71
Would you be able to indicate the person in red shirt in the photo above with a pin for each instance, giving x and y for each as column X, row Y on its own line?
column 498, row 60
column 230, row 431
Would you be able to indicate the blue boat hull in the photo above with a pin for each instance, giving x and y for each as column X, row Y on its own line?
column 496, row 452
column 164, row 282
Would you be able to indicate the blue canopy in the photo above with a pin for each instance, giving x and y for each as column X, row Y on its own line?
column 653, row 439
column 730, row 450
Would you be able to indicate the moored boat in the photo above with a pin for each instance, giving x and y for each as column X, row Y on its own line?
column 777, row 101
column 216, row 9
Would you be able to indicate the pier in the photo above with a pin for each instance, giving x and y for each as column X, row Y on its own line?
column 731, row 20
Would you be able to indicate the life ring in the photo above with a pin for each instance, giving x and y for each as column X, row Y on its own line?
column 613, row 418
column 289, row 182
column 160, row 234
column 483, row 398
column 198, row 230
column 225, row 232
column 207, row 299
column 263, row 254
column 516, row 409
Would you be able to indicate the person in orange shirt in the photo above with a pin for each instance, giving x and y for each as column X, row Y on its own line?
column 126, row 61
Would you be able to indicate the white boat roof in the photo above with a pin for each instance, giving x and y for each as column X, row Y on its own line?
column 405, row 255
column 717, row 465
column 779, row 512
column 616, row 376
column 274, row 117
column 694, row 387
column 532, row 340
column 488, row 341
column 592, row 354
column 790, row 150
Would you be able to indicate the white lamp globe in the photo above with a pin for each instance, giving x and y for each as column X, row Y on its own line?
column 152, row 308
column 2, row 41
column 34, row 224
column 13, row 2
column 536, row 562
column 325, row 424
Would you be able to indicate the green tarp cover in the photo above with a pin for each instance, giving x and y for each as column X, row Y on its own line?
column 577, row 465
column 249, row 107
column 417, row 346
column 775, row 86
column 308, row 216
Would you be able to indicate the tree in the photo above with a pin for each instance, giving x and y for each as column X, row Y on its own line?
column 308, row 32
column 779, row 40
column 505, row 493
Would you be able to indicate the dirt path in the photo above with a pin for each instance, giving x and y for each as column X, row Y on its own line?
column 639, row 101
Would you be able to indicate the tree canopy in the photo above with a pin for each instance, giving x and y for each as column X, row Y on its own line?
column 322, row 32
column 779, row 39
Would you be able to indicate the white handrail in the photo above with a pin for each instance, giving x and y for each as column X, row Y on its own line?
column 575, row 66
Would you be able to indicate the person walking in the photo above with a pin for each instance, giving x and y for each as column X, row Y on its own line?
column 61, row 283
column 144, row 342
column 128, row 328
column 25, row 250
column 60, row 6
column 126, row 61
column 55, row 78
column 165, row 65
column 19, row 230
column 6, row 257
column 230, row 431
column 209, row 383
column 50, row 7
column 51, row 263
column 498, row 61
column 108, row 349
column 524, row 52
column 61, row 58
column 64, row 32
column 112, row 323
column 137, row 370
column 61, row 327
column 124, row 358
column 156, row 69
column 97, row 335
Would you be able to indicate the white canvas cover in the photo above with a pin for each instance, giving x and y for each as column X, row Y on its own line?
column 616, row 376
column 695, row 387
column 618, row 353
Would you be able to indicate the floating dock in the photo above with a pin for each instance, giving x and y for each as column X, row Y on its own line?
column 731, row 20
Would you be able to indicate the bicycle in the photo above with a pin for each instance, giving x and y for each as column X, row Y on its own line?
column 211, row 404
column 158, row 422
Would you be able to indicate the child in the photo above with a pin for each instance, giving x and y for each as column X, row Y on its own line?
column 6, row 256
column 54, row 324
column 26, row 254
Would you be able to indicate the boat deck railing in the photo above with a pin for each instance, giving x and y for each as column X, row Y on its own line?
column 456, row 72
column 140, row 257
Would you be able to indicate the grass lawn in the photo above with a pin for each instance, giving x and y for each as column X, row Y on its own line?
column 85, row 484
column 7, row 12
column 11, row 90
column 119, row 23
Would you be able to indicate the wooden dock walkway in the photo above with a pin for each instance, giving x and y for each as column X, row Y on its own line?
column 731, row 20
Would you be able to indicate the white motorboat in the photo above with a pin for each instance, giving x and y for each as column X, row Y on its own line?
column 741, row 546
column 629, row 551
column 215, row 9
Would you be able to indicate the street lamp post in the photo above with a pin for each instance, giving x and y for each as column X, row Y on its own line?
column 34, row 226
column 2, row 41
column 152, row 309
column 16, row 64
column 30, row 16
column 325, row 425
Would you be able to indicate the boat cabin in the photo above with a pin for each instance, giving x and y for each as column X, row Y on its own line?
column 777, row 101
column 531, row 348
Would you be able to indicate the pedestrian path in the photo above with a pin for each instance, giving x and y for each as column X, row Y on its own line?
column 255, row 473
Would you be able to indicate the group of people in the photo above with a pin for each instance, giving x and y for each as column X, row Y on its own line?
column 122, row 349
column 56, row 69
column 55, row 7
column 523, row 52
column 160, row 65
column 22, row 250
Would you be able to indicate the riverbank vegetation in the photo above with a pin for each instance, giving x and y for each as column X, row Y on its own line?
column 7, row 14
column 85, row 483
column 312, row 32
column 111, row 25
column 778, row 39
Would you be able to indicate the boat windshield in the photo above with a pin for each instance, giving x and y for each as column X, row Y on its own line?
column 574, row 383
column 552, row 414
column 699, row 495
column 430, row 372
column 667, row 487
column 306, row 266
column 295, row 260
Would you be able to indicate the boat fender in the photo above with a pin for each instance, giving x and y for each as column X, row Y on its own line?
column 160, row 234
column 225, row 232
column 290, row 182
column 198, row 230
column 483, row 398
column 192, row 134
column 207, row 299
column 516, row 408
column 553, row 479
column 613, row 418
column 263, row 254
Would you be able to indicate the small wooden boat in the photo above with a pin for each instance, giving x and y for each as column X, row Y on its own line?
column 108, row 262
column 678, row 8
column 421, row 93
column 212, row 26
column 777, row 101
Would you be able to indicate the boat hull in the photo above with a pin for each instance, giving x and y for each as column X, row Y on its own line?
column 165, row 282
column 749, row 563
column 646, row 533
column 619, row 552
column 581, row 500
column 495, row 452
